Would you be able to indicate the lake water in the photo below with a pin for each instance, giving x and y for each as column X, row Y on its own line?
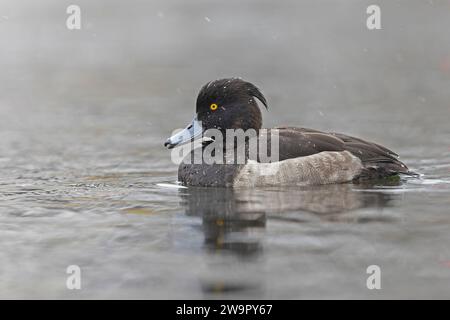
column 85, row 179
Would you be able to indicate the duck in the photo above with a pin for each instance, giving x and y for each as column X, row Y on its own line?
column 303, row 156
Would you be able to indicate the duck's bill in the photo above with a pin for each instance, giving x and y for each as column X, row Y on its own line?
column 193, row 131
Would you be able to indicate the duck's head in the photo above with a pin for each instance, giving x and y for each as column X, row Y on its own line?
column 223, row 104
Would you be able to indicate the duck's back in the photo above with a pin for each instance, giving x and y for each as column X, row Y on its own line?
column 377, row 161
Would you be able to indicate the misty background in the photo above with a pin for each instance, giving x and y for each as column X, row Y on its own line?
column 316, row 61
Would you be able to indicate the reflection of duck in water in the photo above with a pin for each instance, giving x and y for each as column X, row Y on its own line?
column 305, row 156
column 231, row 217
column 227, row 221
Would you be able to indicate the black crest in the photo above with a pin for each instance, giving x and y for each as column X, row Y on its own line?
column 228, row 91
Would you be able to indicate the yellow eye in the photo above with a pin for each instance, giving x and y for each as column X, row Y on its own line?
column 213, row 107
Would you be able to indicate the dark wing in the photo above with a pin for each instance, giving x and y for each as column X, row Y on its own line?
column 300, row 142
